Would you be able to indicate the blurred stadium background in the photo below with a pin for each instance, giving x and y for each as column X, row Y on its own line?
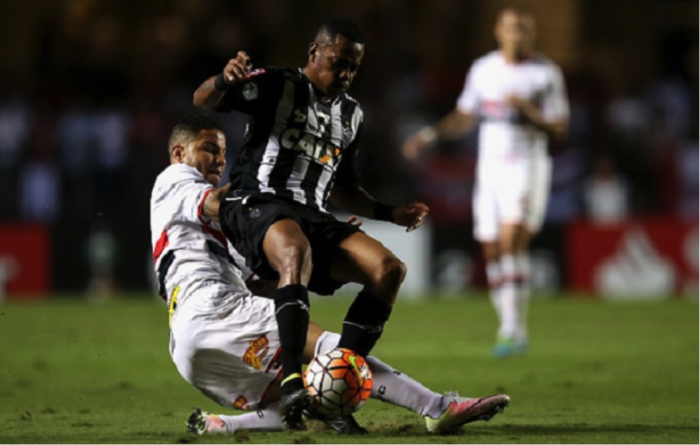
column 89, row 90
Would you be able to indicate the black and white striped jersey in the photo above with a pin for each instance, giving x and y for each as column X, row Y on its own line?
column 296, row 146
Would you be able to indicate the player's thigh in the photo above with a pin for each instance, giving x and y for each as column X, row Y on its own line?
column 362, row 259
column 485, row 209
column 286, row 246
column 227, row 347
column 247, row 225
column 538, row 195
column 523, row 203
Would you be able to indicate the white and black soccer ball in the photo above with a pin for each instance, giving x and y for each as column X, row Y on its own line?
column 340, row 382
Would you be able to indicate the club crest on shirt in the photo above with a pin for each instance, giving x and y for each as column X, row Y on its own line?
column 255, row 212
column 250, row 91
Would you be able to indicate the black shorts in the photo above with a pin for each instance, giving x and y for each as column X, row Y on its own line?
column 245, row 225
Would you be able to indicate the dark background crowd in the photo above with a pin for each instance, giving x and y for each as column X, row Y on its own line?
column 90, row 89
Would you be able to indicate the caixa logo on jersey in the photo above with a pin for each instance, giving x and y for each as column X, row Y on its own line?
column 316, row 148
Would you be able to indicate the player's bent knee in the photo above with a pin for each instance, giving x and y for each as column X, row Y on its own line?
column 293, row 262
column 296, row 258
column 390, row 274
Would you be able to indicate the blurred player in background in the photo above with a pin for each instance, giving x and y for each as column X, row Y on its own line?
column 223, row 339
column 299, row 154
column 519, row 97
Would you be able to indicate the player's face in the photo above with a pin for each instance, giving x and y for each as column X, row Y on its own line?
column 332, row 67
column 515, row 31
column 206, row 154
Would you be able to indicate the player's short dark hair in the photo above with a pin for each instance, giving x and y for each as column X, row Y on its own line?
column 340, row 25
column 190, row 126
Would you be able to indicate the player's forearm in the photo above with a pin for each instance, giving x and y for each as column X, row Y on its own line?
column 556, row 129
column 207, row 96
column 354, row 200
column 454, row 126
column 212, row 202
column 451, row 127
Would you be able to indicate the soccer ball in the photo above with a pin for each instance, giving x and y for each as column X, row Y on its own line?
column 340, row 382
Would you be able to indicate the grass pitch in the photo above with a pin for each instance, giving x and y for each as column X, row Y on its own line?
column 73, row 372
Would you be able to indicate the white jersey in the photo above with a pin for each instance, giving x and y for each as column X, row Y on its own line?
column 194, row 247
column 503, row 134
column 223, row 339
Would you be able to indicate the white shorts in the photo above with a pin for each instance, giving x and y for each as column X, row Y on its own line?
column 225, row 343
column 510, row 193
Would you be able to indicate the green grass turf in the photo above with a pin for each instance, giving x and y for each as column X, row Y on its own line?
column 73, row 372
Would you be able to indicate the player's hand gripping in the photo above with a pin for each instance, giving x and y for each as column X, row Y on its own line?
column 237, row 69
column 354, row 220
column 411, row 215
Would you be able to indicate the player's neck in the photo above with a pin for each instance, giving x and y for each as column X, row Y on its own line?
column 320, row 94
column 516, row 56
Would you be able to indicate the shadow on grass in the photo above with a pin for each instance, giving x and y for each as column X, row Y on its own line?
column 578, row 428
column 573, row 429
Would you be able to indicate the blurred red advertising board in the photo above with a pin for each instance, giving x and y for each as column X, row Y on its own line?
column 646, row 259
column 24, row 261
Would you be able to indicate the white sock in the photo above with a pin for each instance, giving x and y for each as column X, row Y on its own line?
column 508, row 298
column 392, row 386
column 399, row 389
column 495, row 281
column 267, row 419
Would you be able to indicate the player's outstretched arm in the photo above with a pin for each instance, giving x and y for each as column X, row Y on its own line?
column 211, row 204
column 356, row 200
column 210, row 93
column 451, row 127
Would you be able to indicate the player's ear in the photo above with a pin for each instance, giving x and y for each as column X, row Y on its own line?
column 313, row 51
column 177, row 154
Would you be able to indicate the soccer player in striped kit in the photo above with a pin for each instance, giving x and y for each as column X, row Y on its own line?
column 519, row 97
column 224, row 339
column 299, row 154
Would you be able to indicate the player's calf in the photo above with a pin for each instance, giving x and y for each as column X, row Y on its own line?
column 364, row 323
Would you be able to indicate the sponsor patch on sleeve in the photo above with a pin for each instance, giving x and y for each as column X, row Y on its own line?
column 255, row 72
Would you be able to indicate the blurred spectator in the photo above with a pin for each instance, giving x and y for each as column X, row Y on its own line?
column 40, row 192
column 605, row 194
column 688, row 161
column 102, row 256
column 14, row 132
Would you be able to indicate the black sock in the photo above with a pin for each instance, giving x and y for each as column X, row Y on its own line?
column 364, row 323
column 292, row 314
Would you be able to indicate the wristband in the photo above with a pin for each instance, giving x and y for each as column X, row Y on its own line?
column 220, row 84
column 384, row 212
column 428, row 134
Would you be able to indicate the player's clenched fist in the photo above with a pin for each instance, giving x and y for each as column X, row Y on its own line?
column 238, row 68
